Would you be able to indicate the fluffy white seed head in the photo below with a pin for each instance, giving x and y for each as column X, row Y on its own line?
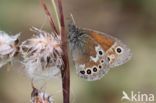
column 42, row 55
column 39, row 96
column 8, row 47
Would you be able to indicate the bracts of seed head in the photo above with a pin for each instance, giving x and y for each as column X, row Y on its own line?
column 8, row 47
column 39, row 96
column 42, row 55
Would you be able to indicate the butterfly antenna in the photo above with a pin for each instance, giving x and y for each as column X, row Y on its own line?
column 73, row 20
column 72, row 24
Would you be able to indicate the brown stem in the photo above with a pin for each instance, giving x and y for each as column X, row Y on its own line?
column 65, row 71
column 66, row 80
column 49, row 17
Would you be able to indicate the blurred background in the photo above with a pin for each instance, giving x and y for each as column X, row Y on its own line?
column 132, row 21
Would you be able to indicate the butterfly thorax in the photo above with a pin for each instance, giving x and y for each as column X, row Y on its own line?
column 75, row 34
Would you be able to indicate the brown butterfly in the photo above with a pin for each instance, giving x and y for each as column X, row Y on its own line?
column 94, row 53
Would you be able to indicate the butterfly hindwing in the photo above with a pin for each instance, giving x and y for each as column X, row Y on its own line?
column 117, row 52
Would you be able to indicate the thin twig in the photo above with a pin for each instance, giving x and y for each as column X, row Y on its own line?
column 65, row 71
column 49, row 17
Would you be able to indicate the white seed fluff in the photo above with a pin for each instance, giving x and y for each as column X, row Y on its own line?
column 39, row 96
column 8, row 47
column 42, row 55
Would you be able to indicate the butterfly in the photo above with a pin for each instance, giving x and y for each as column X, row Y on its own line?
column 94, row 53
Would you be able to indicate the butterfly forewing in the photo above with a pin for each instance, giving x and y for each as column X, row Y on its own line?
column 116, row 51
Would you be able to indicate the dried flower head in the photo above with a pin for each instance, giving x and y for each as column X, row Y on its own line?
column 8, row 47
column 42, row 55
column 39, row 96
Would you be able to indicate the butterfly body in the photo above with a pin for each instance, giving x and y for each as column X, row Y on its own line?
column 94, row 53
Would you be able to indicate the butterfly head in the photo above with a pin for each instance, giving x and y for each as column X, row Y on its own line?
column 72, row 27
column 75, row 33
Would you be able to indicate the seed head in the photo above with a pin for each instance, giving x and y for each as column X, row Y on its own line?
column 39, row 96
column 8, row 47
column 42, row 55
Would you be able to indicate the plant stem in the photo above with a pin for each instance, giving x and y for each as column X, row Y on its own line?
column 66, row 71
column 57, row 16
column 49, row 17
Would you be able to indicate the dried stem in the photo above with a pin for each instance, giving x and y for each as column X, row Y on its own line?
column 49, row 17
column 65, row 72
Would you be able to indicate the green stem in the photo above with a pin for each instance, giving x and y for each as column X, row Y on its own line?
column 57, row 16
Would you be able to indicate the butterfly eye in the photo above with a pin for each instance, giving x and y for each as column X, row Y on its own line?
column 119, row 50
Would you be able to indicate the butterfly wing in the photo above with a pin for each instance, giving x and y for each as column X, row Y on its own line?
column 117, row 52
column 88, row 57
